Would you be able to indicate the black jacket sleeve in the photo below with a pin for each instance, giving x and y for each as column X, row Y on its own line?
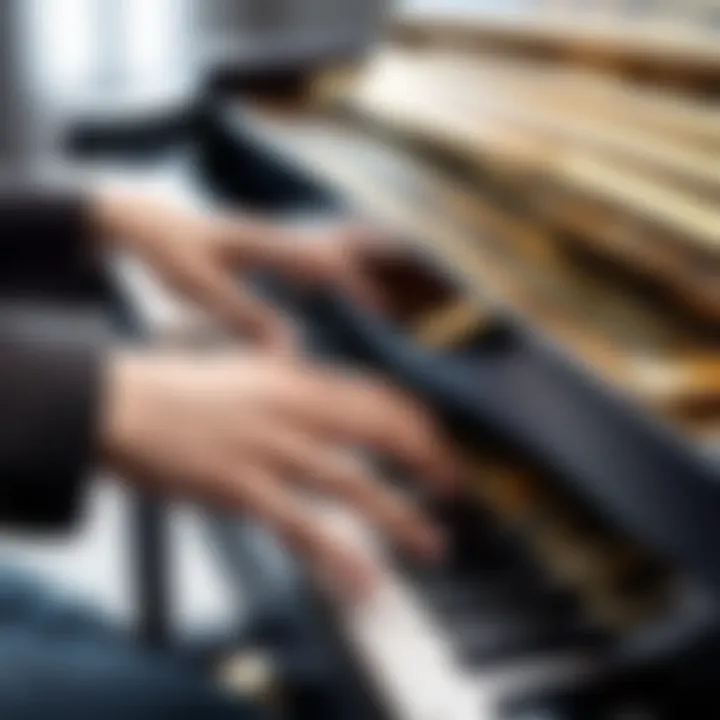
column 50, row 386
column 45, row 244
column 50, row 358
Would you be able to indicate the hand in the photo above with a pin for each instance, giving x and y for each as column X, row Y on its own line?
column 201, row 256
column 250, row 432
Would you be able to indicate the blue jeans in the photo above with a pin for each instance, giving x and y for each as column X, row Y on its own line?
column 58, row 660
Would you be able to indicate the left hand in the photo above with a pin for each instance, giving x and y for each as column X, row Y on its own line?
column 202, row 256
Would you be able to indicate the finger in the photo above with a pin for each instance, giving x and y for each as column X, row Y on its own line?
column 334, row 258
column 263, row 243
column 223, row 295
column 343, row 476
column 372, row 414
column 319, row 257
column 261, row 494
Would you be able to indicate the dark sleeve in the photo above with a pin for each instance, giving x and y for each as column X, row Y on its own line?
column 50, row 385
column 45, row 244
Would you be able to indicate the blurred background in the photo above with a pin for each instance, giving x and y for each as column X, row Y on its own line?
column 62, row 54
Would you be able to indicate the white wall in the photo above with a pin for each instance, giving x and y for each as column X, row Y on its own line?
column 77, row 45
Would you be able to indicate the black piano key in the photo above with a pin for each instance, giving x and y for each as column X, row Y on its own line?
column 589, row 711
column 635, row 696
column 446, row 586
column 479, row 644
column 495, row 618
column 492, row 598
column 483, row 600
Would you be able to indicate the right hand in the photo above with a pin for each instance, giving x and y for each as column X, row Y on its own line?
column 248, row 431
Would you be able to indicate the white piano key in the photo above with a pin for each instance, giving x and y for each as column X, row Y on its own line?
column 404, row 651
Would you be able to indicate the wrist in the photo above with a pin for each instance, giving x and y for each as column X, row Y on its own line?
column 112, row 214
column 125, row 219
column 125, row 383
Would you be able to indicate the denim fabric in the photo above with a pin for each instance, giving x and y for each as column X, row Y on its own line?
column 61, row 660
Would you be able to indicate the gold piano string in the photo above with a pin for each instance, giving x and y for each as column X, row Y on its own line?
column 678, row 54
column 579, row 213
column 407, row 105
column 442, row 110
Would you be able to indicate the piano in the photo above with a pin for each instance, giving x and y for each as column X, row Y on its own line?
column 582, row 578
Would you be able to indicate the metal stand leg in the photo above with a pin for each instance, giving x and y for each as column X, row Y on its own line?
column 152, row 570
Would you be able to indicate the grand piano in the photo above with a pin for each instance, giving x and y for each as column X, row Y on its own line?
column 582, row 579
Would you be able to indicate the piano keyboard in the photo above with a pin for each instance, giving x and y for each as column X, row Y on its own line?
column 430, row 653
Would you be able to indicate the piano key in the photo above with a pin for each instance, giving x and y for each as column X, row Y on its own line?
column 408, row 652
column 492, row 642
column 458, row 602
column 595, row 703
column 403, row 649
column 490, row 620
